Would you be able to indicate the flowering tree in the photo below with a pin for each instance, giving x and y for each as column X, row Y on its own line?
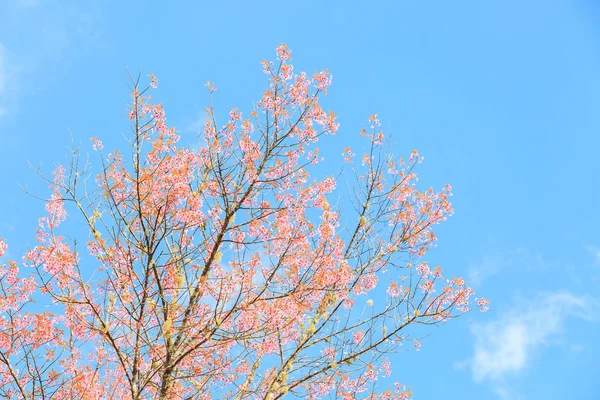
column 226, row 271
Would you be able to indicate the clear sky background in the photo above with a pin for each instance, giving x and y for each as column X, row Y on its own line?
column 500, row 97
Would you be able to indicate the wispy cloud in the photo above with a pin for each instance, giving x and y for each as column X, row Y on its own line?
column 3, row 80
column 486, row 268
column 506, row 346
column 505, row 393
column 497, row 263
column 25, row 3
column 196, row 124
column 51, row 36
column 594, row 252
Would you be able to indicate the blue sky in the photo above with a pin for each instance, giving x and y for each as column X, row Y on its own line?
column 500, row 97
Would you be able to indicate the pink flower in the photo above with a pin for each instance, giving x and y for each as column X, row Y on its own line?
column 3, row 247
column 322, row 80
column 357, row 337
column 423, row 269
column 283, row 52
column 371, row 375
column 153, row 81
column 328, row 352
column 97, row 144
column 483, row 304
column 394, row 290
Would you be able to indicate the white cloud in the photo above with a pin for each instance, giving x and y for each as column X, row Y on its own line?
column 486, row 268
column 506, row 394
column 508, row 345
column 499, row 263
column 26, row 3
column 595, row 252
column 2, row 70
column 3, row 80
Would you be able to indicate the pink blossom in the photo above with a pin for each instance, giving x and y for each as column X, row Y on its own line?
column 283, row 52
column 357, row 337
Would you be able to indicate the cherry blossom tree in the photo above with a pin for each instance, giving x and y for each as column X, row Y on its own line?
column 225, row 270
